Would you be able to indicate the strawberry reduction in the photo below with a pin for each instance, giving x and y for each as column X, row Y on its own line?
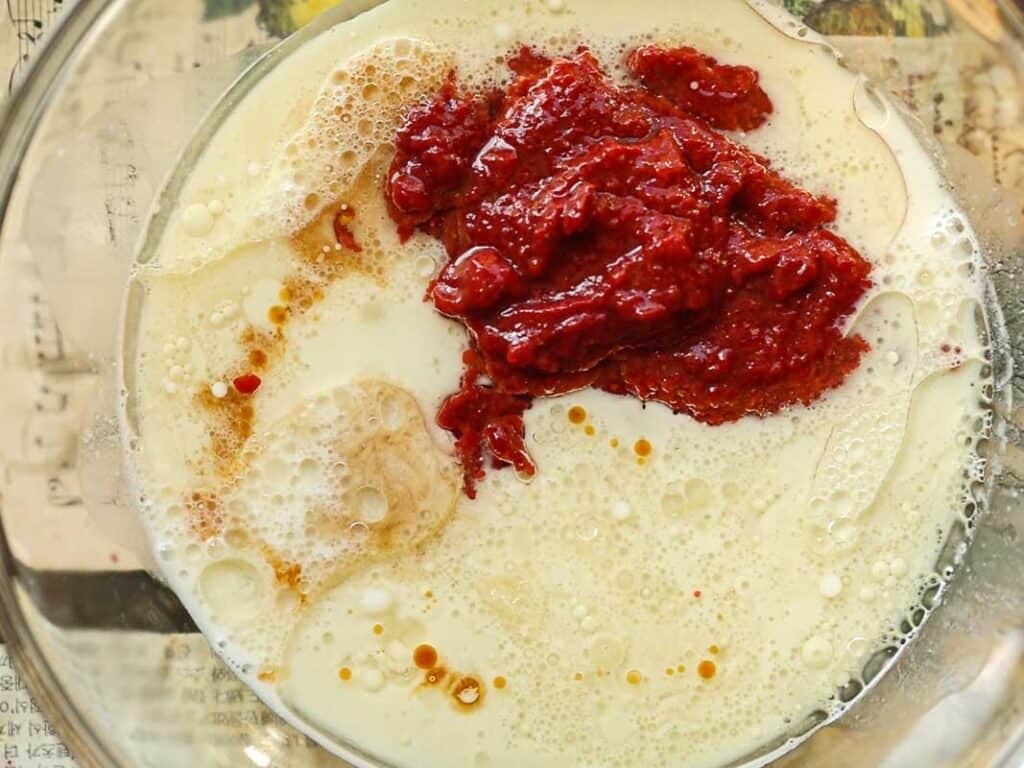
column 610, row 236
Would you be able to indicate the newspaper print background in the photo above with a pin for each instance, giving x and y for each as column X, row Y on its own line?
column 946, row 62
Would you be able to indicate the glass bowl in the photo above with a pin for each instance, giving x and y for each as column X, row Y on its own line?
column 96, row 125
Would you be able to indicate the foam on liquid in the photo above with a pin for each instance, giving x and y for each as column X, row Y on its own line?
column 673, row 608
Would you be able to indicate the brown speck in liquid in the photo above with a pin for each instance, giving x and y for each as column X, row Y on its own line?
column 669, row 671
column 345, row 674
column 258, row 359
column 425, row 657
column 706, row 669
column 643, row 448
column 230, row 419
column 633, row 677
column 204, row 515
column 303, row 292
column 614, row 443
column 500, row 683
column 378, row 629
column 268, row 675
column 429, row 595
column 435, row 676
column 590, row 431
column 578, row 676
column 230, row 422
column 697, row 593
column 681, row 668
column 277, row 314
column 288, row 574
column 714, row 650
column 577, row 414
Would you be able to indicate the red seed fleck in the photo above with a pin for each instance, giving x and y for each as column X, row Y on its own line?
column 697, row 593
column 247, row 384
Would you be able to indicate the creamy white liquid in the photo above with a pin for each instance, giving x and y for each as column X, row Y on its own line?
column 335, row 539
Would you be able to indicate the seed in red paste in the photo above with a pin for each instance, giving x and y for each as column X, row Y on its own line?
column 247, row 384
column 609, row 236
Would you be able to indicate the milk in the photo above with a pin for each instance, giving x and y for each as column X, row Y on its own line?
column 677, row 606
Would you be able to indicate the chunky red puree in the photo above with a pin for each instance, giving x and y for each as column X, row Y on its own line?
column 609, row 236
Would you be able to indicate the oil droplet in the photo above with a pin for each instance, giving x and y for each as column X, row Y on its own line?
column 714, row 650
column 589, row 430
column 707, row 669
column 577, row 414
column 643, row 448
column 633, row 677
column 424, row 657
column 345, row 674
column 378, row 629
column 500, row 683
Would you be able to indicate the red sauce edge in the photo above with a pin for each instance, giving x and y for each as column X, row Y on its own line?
column 611, row 236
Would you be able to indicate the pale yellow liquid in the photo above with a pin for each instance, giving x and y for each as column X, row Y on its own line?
column 784, row 550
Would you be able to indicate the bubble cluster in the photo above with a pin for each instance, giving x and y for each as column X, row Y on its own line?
column 351, row 125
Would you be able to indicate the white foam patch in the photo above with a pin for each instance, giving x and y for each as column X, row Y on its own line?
column 352, row 123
